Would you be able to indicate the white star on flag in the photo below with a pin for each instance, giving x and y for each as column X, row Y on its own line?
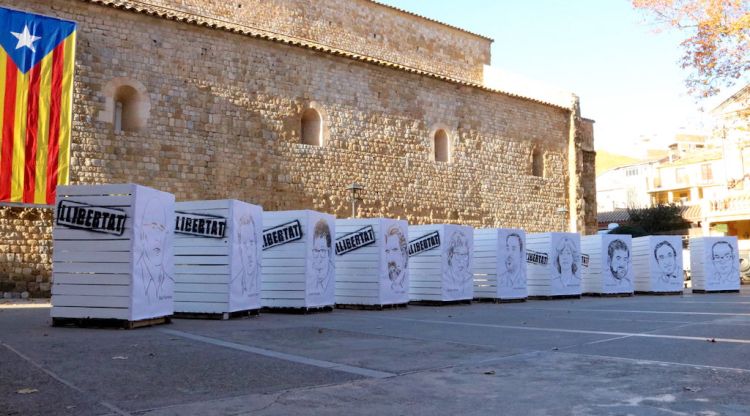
column 26, row 39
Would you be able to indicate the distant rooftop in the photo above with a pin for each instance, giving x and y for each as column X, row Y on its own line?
column 695, row 157
column 689, row 138
column 741, row 96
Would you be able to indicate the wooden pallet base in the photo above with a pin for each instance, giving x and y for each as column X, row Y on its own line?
column 556, row 297
column 217, row 316
column 609, row 295
column 296, row 311
column 659, row 293
column 110, row 323
column 371, row 307
column 440, row 302
column 499, row 300
column 702, row 291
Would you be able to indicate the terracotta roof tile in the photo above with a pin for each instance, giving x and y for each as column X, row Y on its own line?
column 618, row 216
column 692, row 213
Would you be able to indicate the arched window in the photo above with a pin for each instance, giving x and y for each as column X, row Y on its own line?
column 312, row 128
column 441, row 146
column 537, row 163
column 127, row 105
column 127, row 112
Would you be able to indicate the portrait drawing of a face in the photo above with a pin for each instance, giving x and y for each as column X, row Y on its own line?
column 396, row 257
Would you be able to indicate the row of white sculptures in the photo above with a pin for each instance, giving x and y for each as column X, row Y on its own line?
column 130, row 252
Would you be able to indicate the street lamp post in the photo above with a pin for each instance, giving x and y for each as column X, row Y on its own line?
column 355, row 188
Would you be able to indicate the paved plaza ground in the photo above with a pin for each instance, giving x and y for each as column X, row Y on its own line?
column 645, row 355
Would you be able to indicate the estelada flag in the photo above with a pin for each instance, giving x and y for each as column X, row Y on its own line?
column 36, row 92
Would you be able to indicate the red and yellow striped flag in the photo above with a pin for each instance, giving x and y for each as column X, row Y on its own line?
column 36, row 93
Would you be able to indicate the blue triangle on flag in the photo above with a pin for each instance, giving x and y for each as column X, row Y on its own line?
column 27, row 38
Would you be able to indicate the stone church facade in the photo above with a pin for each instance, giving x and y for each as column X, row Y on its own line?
column 284, row 103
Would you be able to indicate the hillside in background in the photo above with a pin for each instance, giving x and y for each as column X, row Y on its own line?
column 606, row 161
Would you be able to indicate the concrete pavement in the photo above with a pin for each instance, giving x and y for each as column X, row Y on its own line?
column 646, row 355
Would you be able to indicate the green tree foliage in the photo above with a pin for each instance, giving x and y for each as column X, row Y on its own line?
column 658, row 219
column 629, row 230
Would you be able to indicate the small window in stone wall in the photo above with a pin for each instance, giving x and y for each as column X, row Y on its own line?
column 127, row 105
column 312, row 128
column 441, row 146
column 129, row 111
column 537, row 163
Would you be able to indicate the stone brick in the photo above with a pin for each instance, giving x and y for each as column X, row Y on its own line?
column 31, row 235
column 225, row 115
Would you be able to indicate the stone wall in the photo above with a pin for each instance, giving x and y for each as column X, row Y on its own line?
column 224, row 115
column 588, row 179
column 360, row 26
column 25, row 251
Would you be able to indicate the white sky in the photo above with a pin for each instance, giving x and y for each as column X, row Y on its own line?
column 627, row 76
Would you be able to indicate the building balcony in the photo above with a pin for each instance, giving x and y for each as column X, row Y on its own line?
column 731, row 208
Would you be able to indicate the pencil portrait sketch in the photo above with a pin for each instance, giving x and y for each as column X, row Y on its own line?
column 566, row 264
column 246, row 241
column 618, row 261
column 513, row 273
column 724, row 263
column 666, row 261
column 457, row 275
column 397, row 258
column 150, row 268
column 323, row 268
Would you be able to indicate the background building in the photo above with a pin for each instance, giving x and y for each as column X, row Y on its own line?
column 709, row 176
column 284, row 103
column 689, row 179
column 624, row 187
column 728, row 212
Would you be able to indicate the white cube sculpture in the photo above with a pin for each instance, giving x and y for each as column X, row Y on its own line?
column 657, row 264
column 440, row 263
column 607, row 264
column 299, row 269
column 714, row 264
column 113, row 253
column 553, row 265
column 218, row 250
column 500, row 264
column 372, row 262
